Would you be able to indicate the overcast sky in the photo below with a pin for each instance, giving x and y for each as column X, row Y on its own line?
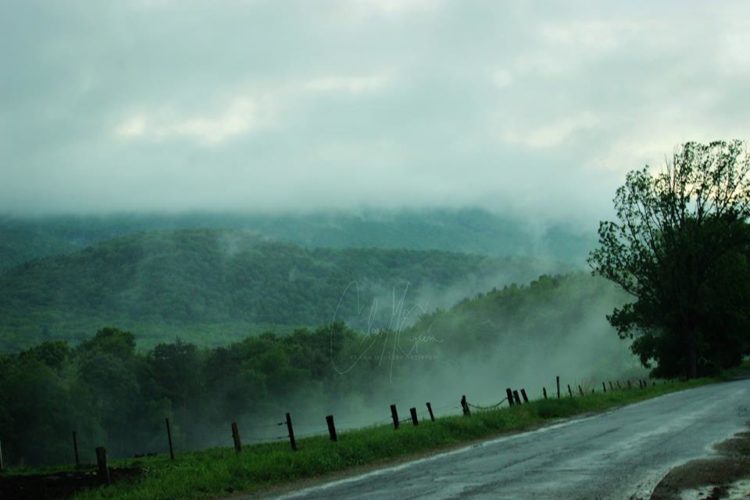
column 281, row 105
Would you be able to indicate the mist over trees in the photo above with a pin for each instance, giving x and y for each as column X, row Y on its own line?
column 214, row 286
column 111, row 392
column 472, row 231
column 680, row 247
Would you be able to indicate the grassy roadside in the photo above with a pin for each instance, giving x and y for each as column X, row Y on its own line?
column 220, row 472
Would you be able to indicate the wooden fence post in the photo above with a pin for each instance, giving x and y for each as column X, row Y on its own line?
column 516, row 397
column 75, row 449
column 465, row 406
column 525, row 397
column 611, row 387
column 604, row 387
column 169, row 439
column 570, row 392
column 291, row 432
column 414, row 419
column 429, row 409
column 557, row 379
column 394, row 416
column 509, row 394
column 580, row 389
column 236, row 438
column 331, row 428
column 103, row 467
column 629, row 385
column 544, row 392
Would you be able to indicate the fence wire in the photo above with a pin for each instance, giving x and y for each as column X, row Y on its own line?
column 490, row 407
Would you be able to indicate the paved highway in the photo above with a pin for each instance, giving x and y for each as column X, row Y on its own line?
column 619, row 454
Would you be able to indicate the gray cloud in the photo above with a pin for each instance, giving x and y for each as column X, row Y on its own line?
column 540, row 107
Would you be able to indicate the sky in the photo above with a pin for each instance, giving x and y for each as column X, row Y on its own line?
column 531, row 107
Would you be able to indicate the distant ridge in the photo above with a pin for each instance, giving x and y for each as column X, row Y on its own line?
column 213, row 285
column 467, row 230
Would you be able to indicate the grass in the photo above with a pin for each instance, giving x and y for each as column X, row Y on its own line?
column 741, row 371
column 221, row 472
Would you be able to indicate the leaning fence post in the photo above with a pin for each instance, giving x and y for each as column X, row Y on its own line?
column 394, row 416
column 516, row 397
column 169, row 439
column 465, row 406
column 414, row 419
column 544, row 392
column 75, row 449
column 236, row 437
column 580, row 390
column 557, row 379
column 570, row 393
column 291, row 432
column 101, row 462
column 604, row 387
column 509, row 393
column 331, row 428
column 525, row 397
column 429, row 409
column 611, row 387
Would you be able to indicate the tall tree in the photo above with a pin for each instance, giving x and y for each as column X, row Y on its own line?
column 681, row 242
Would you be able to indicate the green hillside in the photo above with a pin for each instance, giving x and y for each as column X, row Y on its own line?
column 212, row 286
column 559, row 321
column 467, row 231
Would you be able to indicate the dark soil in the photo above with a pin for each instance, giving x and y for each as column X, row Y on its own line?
column 731, row 465
column 60, row 485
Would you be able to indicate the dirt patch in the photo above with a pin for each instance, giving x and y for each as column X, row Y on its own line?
column 60, row 485
column 723, row 476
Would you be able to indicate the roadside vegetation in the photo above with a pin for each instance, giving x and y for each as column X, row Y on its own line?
column 221, row 471
column 680, row 246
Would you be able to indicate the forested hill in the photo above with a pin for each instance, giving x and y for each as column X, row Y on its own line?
column 211, row 286
column 559, row 321
column 467, row 231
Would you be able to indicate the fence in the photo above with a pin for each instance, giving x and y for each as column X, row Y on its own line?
column 512, row 397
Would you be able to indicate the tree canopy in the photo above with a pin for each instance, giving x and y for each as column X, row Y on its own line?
column 680, row 248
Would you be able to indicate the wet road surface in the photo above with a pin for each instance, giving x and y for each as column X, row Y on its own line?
column 619, row 454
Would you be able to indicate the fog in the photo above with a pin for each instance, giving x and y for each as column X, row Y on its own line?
column 326, row 124
column 399, row 363
column 525, row 107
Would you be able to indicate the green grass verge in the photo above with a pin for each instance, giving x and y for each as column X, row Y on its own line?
column 220, row 472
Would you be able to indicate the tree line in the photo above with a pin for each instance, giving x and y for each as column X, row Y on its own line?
column 113, row 393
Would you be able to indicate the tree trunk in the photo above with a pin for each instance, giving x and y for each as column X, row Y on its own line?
column 692, row 355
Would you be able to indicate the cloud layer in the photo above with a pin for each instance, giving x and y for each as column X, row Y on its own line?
column 265, row 105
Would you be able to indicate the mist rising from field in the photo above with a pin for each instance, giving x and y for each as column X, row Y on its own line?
column 408, row 363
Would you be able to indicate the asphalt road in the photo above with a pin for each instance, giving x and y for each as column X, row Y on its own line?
column 619, row 454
